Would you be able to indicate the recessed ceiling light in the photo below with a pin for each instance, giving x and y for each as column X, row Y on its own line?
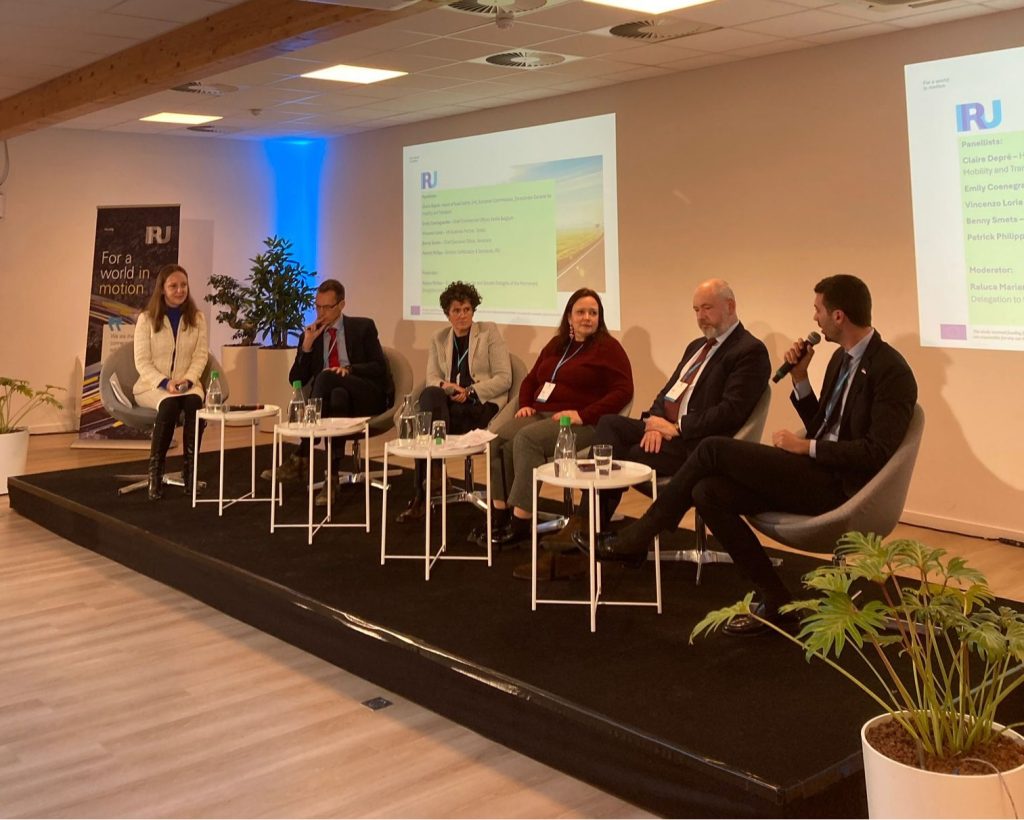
column 180, row 119
column 354, row 74
column 650, row 6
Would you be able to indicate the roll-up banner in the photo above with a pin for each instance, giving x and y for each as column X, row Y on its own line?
column 132, row 244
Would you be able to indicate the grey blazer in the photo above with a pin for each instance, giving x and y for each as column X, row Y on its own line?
column 489, row 365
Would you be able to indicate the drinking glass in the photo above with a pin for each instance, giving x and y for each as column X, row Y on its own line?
column 312, row 411
column 423, row 428
column 602, row 459
column 439, row 433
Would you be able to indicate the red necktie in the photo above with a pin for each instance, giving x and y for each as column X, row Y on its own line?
column 332, row 351
column 672, row 407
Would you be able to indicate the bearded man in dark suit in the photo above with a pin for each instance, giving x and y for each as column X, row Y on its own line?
column 712, row 392
column 867, row 401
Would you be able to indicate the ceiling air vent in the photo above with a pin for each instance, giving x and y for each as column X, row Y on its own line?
column 513, row 6
column 205, row 89
column 657, row 31
column 212, row 129
column 882, row 5
column 525, row 59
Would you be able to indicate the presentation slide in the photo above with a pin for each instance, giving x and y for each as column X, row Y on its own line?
column 965, row 118
column 528, row 216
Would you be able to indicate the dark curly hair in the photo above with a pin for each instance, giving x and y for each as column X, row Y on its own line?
column 459, row 292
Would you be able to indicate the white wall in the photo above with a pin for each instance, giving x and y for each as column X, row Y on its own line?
column 771, row 173
column 58, row 178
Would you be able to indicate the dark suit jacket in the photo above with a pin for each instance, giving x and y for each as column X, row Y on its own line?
column 364, row 354
column 875, row 418
column 728, row 388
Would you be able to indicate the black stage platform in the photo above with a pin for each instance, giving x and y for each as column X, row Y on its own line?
column 726, row 728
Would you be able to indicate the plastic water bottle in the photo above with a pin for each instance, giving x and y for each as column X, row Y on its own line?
column 407, row 421
column 565, row 449
column 297, row 406
column 214, row 393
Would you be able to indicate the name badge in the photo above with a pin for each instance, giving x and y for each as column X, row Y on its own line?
column 677, row 390
column 545, row 392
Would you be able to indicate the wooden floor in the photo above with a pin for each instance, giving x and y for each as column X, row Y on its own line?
column 120, row 697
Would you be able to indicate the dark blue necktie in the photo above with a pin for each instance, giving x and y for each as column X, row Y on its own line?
column 836, row 395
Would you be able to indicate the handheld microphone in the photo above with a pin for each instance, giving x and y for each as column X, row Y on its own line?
column 812, row 339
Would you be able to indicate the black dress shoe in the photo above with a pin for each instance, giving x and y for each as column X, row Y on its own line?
column 582, row 540
column 747, row 626
column 514, row 531
column 630, row 546
column 416, row 511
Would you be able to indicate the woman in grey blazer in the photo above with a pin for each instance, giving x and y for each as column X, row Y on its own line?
column 468, row 375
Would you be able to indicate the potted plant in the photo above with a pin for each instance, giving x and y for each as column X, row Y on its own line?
column 14, row 439
column 934, row 656
column 236, row 303
column 282, row 292
column 239, row 357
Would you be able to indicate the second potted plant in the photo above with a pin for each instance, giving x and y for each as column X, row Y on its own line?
column 13, row 438
column 937, row 659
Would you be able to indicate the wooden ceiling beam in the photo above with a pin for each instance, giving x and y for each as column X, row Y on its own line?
column 249, row 32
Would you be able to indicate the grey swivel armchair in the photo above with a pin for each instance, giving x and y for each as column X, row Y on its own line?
column 876, row 507
column 119, row 368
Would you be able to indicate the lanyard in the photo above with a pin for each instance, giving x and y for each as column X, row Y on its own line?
column 465, row 353
column 563, row 360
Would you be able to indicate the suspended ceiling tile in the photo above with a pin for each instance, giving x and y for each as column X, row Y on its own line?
column 774, row 47
column 405, row 61
column 520, row 35
column 866, row 30
column 724, row 39
column 180, row 11
column 652, row 55
column 693, row 63
column 734, row 12
column 450, row 49
column 441, row 22
column 942, row 16
column 590, row 45
column 581, row 16
column 467, row 71
column 800, row 24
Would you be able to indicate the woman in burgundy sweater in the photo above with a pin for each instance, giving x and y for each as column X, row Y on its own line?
column 582, row 373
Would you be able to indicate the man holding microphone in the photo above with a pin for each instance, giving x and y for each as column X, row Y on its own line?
column 867, row 401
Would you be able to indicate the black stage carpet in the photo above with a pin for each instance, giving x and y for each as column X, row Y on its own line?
column 729, row 727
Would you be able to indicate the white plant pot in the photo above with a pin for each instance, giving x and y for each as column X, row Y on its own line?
column 272, row 366
column 897, row 790
column 13, row 456
column 239, row 363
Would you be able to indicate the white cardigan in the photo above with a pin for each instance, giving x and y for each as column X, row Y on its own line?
column 156, row 350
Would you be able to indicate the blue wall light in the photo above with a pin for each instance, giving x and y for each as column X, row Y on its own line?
column 297, row 165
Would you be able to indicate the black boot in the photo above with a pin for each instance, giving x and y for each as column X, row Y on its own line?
column 163, row 432
column 189, row 449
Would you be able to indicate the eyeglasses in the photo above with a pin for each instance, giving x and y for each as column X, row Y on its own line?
column 326, row 307
column 460, row 311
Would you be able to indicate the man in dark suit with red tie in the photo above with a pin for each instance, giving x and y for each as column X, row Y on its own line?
column 712, row 391
column 341, row 359
column 866, row 404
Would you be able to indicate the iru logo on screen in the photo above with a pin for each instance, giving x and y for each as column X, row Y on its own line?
column 428, row 180
column 970, row 116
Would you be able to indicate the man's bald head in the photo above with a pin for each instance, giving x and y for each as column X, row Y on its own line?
column 714, row 305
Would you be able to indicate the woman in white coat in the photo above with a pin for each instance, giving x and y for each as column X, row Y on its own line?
column 171, row 348
column 468, row 376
